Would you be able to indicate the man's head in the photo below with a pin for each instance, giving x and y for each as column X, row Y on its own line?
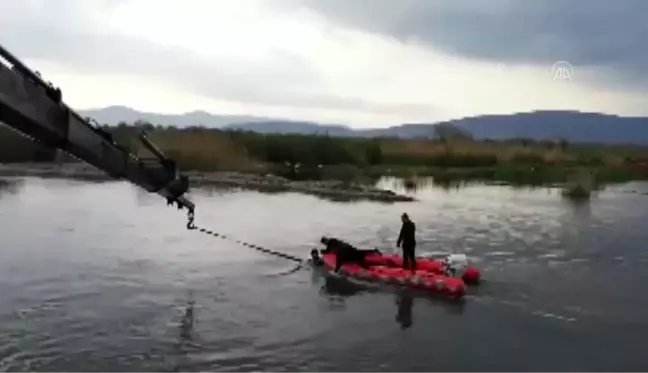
column 314, row 254
column 324, row 240
column 404, row 217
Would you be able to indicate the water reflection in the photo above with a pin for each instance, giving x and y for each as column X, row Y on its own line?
column 336, row 289
column 187, row 321
column 274, row 190
column 416, row 184
column 341, row 287
column 582, row 209
column 185, row 341
column 405, row 302
column 10, row 186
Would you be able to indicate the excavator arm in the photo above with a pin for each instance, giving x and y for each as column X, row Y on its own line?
column 36, row 109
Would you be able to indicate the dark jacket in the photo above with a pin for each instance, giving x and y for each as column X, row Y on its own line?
column 338, row 246
column 335, row 246
column 406, row 235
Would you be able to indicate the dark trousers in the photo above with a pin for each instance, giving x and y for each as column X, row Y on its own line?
column 409, row 257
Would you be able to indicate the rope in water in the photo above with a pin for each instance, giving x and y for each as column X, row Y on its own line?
column 191, row 226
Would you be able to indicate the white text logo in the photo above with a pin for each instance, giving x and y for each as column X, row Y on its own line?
column 562, row 70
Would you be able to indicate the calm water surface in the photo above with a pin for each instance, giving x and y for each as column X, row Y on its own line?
column 104, row 277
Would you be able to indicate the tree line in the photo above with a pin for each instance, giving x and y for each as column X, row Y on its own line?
column 208, row 149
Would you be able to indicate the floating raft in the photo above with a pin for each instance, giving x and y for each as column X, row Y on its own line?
column 387, row 268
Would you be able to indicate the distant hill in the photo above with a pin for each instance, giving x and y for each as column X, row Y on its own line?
column 550, row 125
column 112, row 115
column 573, row 126
column 538, row 125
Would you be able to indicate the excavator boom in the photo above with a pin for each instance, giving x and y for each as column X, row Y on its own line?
column 36, row 109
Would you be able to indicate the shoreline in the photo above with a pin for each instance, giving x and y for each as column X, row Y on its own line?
column 330, row 189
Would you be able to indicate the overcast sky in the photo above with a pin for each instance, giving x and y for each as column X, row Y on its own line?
column 358, row 62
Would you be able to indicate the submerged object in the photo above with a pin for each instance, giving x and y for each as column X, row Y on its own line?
column 426, row 277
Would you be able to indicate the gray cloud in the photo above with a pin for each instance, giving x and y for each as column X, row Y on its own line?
column 280, row 78
column 609, row 36
column 604, row 35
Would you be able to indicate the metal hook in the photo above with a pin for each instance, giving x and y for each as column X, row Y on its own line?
column 190, row 218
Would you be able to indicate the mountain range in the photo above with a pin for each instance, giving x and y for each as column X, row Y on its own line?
column 573, row 126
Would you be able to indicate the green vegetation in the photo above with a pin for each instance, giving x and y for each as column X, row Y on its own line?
column 580, row 186
column 453, row 156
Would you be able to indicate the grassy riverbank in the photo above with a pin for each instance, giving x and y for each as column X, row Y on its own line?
column 307, row 157
column 320, row 157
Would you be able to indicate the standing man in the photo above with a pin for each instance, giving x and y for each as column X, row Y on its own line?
column 406, row 238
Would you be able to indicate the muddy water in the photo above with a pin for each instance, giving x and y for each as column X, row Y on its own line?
column 100, row 276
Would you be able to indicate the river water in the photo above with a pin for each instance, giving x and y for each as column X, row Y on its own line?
column 104, row 277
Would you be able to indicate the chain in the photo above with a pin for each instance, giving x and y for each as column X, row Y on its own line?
column 192, row 226
column 190, row 220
